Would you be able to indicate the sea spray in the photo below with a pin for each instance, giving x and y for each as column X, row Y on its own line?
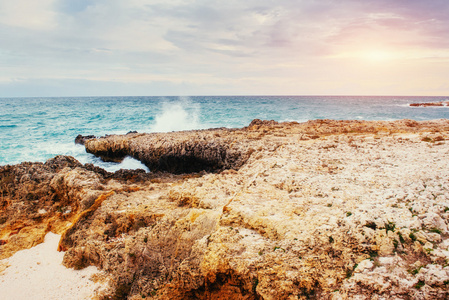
column 178, row 116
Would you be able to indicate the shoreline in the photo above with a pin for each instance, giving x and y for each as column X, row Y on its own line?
column 327, row 209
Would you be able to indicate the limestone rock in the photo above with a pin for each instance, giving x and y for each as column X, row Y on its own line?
column 323, row 209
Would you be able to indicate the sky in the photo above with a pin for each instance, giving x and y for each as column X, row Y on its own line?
column 210, row 47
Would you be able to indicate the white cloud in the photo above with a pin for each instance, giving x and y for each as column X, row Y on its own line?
column 29, row 14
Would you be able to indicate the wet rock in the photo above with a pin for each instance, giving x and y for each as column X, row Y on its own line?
column 81, row 139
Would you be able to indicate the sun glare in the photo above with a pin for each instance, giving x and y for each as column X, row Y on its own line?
column 378, row 56
column 370, row 55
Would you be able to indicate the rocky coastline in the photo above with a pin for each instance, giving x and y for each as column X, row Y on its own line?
column 318, row 210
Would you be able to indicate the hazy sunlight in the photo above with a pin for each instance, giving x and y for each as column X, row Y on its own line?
column 378, row 56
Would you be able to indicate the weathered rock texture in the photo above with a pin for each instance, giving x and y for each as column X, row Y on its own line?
column 323, row 209
column 219, row 149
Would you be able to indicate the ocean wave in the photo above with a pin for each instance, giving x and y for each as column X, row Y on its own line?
column 128, row 163
column 178, row 116
column 79, row 152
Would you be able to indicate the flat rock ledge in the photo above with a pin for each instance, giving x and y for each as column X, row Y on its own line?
column 222, row 148
column 318, row 210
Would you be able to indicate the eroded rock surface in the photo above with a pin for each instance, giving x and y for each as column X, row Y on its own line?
column 323, row 209
column 219, row 149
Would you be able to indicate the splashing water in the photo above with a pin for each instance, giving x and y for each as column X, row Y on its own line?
column 178, row 116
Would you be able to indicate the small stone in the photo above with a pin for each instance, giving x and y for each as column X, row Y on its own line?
column 364, row 265
column 387, row 260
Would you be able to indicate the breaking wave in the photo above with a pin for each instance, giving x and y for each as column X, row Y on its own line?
column 178, row 116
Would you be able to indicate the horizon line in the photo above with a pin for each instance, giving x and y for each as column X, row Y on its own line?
column 237, row 95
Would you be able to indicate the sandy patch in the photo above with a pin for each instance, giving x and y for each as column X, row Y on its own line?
column 37, row 273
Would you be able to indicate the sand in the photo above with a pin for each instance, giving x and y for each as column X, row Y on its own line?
column 37, row 273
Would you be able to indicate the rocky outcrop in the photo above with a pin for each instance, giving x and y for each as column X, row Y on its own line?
column 218, row 149
column 323, row 209
column 430, row 104
column 39, row 197
column 177, row 152
column 34, row 200
column 81, row 139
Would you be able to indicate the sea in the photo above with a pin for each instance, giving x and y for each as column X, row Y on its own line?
column 36, row 129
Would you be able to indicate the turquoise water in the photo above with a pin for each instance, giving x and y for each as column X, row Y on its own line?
column 36, row 129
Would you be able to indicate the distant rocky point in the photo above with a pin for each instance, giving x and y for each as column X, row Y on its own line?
column 318, row 210
column 427, row 104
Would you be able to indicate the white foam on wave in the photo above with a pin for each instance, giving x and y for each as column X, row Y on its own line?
column 79, row 152
column 128, row 163
column 178, row 116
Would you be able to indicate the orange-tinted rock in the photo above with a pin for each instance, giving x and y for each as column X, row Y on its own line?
column 288, row 211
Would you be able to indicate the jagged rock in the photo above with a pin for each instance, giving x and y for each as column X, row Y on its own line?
column 177, row 152
column 324, row 209
column 257, row 123
column 81, row 139
column 38, row 197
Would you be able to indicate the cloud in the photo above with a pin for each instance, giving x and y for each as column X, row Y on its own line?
column 222, row 45
column 404, row 23
column 32, row 15
column 72, row 7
